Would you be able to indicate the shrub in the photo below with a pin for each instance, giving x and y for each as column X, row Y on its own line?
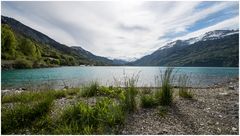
column 183, row 89
column 23, row 63
column 148, row 101
column 165, row 94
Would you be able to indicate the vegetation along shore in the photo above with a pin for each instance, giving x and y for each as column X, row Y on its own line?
column 96, row 109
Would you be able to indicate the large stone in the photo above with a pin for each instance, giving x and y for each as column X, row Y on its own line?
column 231, row 87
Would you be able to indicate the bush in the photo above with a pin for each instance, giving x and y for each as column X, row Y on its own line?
column 148, row 101
column 183, row 89
column 165, row 94
column 23, row 63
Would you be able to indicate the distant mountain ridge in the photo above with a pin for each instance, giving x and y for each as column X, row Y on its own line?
column 214, row 48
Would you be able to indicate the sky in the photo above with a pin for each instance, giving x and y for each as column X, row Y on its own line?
column 123, row 29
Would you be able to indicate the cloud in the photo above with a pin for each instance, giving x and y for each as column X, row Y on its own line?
column 120, row 28
column 227, row 24
column 133, row 28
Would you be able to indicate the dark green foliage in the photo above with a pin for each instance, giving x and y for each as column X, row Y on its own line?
column 148, row 101
column 183, row 89
column 8, row 43
column 23, row 63
column 165, row 94
column 23, row 115
column 28, row 48
column 84, row 119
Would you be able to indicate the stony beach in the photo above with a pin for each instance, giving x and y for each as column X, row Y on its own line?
column 213, row 110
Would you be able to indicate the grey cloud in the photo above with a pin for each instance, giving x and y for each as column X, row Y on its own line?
column 132, row 28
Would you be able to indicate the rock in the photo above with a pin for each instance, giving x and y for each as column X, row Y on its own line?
column 231, row 87
column 234, row 129
column 223, row 93
column 5, row 91
column 162, row 132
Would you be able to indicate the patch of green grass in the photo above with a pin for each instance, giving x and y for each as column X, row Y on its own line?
column 84, row 119
column 148, row 101
column 91, row 89
column 23, row 115
column 72, row 91
column 24, row 97
column 183, row 89
column 165, row 94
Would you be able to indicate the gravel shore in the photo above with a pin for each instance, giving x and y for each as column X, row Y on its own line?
column 213, row 110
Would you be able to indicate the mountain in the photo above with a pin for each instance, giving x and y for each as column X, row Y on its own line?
column 51, row 52
column 99, row 60
column 215, row 48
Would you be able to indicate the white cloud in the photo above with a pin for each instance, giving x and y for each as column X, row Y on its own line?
column 116, row 29
column 227, row 24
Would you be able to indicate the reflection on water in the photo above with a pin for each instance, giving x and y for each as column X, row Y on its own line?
column 76, row 76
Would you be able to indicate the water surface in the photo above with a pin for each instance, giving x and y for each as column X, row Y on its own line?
column 76, row 75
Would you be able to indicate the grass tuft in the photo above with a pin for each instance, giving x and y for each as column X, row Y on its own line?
column 148, row 101
column 91, row 89
column 165, row 94
column 129, row 96
column 183, row 89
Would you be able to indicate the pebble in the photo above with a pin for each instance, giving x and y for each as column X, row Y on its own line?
column 223, row 93
column 231, row 87
column 234, row 129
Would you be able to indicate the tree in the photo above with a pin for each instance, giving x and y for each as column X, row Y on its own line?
column 28, row 48
column 8, row 43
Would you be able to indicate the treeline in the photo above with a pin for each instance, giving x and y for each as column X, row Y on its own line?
column 22, row 52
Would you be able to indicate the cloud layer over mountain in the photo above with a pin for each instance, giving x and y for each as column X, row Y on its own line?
column 123, row 29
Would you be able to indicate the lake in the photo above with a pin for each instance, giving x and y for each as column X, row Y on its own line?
column 74, row 76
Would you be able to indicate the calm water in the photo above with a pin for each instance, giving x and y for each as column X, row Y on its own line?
column 76, row 76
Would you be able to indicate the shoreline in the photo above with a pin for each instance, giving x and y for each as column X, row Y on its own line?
column 212, row 110
column 228, row 82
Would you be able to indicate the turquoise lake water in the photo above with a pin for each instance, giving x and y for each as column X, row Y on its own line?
column 76, row 75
